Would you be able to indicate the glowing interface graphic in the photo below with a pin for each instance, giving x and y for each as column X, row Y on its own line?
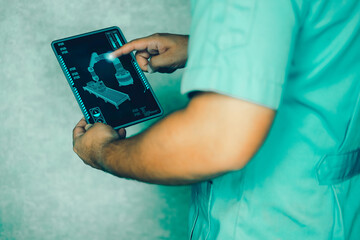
column 109, row 90
column 99, row 89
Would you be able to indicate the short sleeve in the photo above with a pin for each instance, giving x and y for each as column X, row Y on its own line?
column 240, row 48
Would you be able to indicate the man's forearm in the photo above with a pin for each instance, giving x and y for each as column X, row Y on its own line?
column 191, row 145
column 157, row 156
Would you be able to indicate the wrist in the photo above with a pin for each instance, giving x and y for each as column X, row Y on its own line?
column 114, row 158
column 103, row 157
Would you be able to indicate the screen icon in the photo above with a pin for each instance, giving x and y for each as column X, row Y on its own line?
column 97, row 115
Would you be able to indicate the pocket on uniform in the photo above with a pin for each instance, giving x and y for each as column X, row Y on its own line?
column 343, row 165
column 336, row 168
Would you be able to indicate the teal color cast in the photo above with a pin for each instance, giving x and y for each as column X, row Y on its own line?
column 300, row 58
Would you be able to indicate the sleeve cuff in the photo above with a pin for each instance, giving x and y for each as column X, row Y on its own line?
column 201, row 79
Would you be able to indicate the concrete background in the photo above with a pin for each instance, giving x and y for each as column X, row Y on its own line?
column 46, row 192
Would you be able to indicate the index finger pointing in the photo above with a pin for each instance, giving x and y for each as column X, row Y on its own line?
column 138, row 44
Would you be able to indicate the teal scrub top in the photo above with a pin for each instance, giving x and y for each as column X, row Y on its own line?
column 302, row 59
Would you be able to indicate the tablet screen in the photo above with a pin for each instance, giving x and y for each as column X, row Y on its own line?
column 111, row 91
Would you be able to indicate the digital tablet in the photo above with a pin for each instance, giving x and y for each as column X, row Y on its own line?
column 112, row 91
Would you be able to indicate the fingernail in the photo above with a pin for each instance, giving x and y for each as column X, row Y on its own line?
column 88, row 126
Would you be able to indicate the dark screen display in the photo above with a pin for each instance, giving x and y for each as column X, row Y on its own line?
column 112, row 91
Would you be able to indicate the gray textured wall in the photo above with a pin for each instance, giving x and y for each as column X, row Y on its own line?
column 46, row 192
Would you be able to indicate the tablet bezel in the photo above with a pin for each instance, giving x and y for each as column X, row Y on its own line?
column 136, row 68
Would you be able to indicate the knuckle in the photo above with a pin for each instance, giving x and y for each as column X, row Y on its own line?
column 156, row 35
column 154, row 65
column 97, row 124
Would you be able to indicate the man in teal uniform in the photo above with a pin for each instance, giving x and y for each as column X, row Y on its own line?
column 271, row 137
